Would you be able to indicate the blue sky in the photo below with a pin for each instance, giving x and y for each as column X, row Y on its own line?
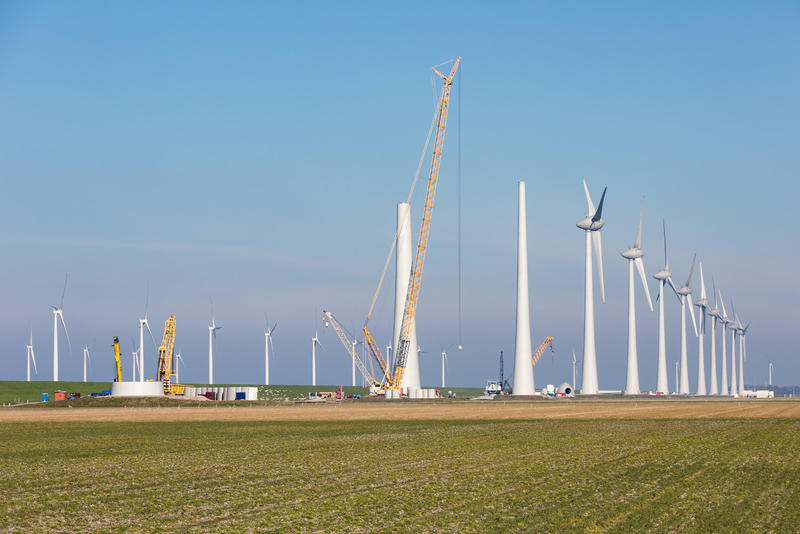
column 254, row 153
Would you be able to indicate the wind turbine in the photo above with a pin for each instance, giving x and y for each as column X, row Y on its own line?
column 142, row 324
column 702, row 304
column 85, row 358
column 770, row 375
column 32, row 356
column 724, row 320
column 591, row 225
column 267, row 343
column 177, row 367
column 634, row 257
column 212, row 335
column 314, row 343
column 714, row 314
column 58, row 313
column 685, row 293
column 135, row 359
column 353, row 361
column 664, row 276
column 574, row 364
column 740, row 330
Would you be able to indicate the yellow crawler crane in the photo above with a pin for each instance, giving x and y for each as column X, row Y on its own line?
column 538, row 354
column 369, row 377
column 415, row 283
column 165, row 352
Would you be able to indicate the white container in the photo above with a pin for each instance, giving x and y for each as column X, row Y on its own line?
column 137, row 389
column 251, row 393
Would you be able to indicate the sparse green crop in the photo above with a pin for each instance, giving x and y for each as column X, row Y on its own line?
column 376, row 476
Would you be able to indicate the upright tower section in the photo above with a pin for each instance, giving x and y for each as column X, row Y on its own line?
column 402, row 277
column 523, row 365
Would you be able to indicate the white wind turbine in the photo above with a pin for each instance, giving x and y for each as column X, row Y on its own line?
column 685, row 293
column 143, row 323
column 702, row 304
column 664, row 276
column 267, row 343
column 212, row 335
column 574, row 364
column 740, row 331
column 86, row 357
column 177, row 367
column 135, row 360
column 314, row 343
column 634, row 257
column 724, row 320
column 58, row 313
column 32, row 356
column 715, row 315
column 591, row 225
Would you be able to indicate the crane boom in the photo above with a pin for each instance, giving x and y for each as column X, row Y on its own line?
column 415, row 283
column 165, row 351
column 337, row 327
column 538, row 354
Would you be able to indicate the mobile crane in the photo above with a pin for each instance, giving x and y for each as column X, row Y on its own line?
column 165, row 370
column 376, row 387
column 117, row 358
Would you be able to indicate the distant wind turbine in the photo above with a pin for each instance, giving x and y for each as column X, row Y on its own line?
column 58, row 313
column 212, row 335
column 591, row 225
column 724, row 320
column 143, row 323
column 86, row 358
column 664, row 277
column 314, row 343
column 267, row 344
column 685, row 291
column 715, row 315
column 702, row 304
column 634, row 257
column 32, row 356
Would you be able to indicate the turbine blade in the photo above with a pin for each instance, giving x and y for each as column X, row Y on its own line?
column 588, row 198
column 150, row 332
column 33, row 357
column 702, row 283
column 61, row 315
column 666, row 260
column 599, row 213
column 640, row 267
column 691, row 313
column 64, row 291
column 638, row 243
column 722, row 303
column 674, row 289
column 598, row 253
column 691, row 271
column 714, row 290
column 272, row 330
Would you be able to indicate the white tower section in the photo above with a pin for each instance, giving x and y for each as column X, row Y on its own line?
column 523, row 364
column 402, row 278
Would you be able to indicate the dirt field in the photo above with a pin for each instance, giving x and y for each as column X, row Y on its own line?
column 445, row 411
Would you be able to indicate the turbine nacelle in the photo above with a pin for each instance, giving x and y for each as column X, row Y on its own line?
column 685, row 290
column 632, row 253
column 589, row 224
column 701, row 303
column 662, row 275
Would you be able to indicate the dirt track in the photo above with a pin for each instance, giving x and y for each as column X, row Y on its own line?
column 749, row 409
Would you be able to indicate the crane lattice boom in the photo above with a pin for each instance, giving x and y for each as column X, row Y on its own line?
column 538, row 354
column 165, row 351
column 415, row 283
column 337, row 327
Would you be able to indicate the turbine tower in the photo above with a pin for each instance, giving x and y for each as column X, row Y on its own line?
column 734, row 389
column 663, row 276
column 212, row 335
column 86, row 358
column 523, row 365
column 58, row 314
column 591, row 225
column 715, row 315
column 314, row 343
column 177, row 367
column 444, row 360
column 702, row 304
column 685, row 293
column 32, row 356
column 723, row 319
column 143, row 323
column 411, row 377
column 267, row 342
column 634, row 257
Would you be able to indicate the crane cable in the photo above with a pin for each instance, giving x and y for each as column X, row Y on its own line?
column 459, row 208
column 403, row 222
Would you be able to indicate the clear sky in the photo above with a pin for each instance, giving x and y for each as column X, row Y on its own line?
column 254, row 152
